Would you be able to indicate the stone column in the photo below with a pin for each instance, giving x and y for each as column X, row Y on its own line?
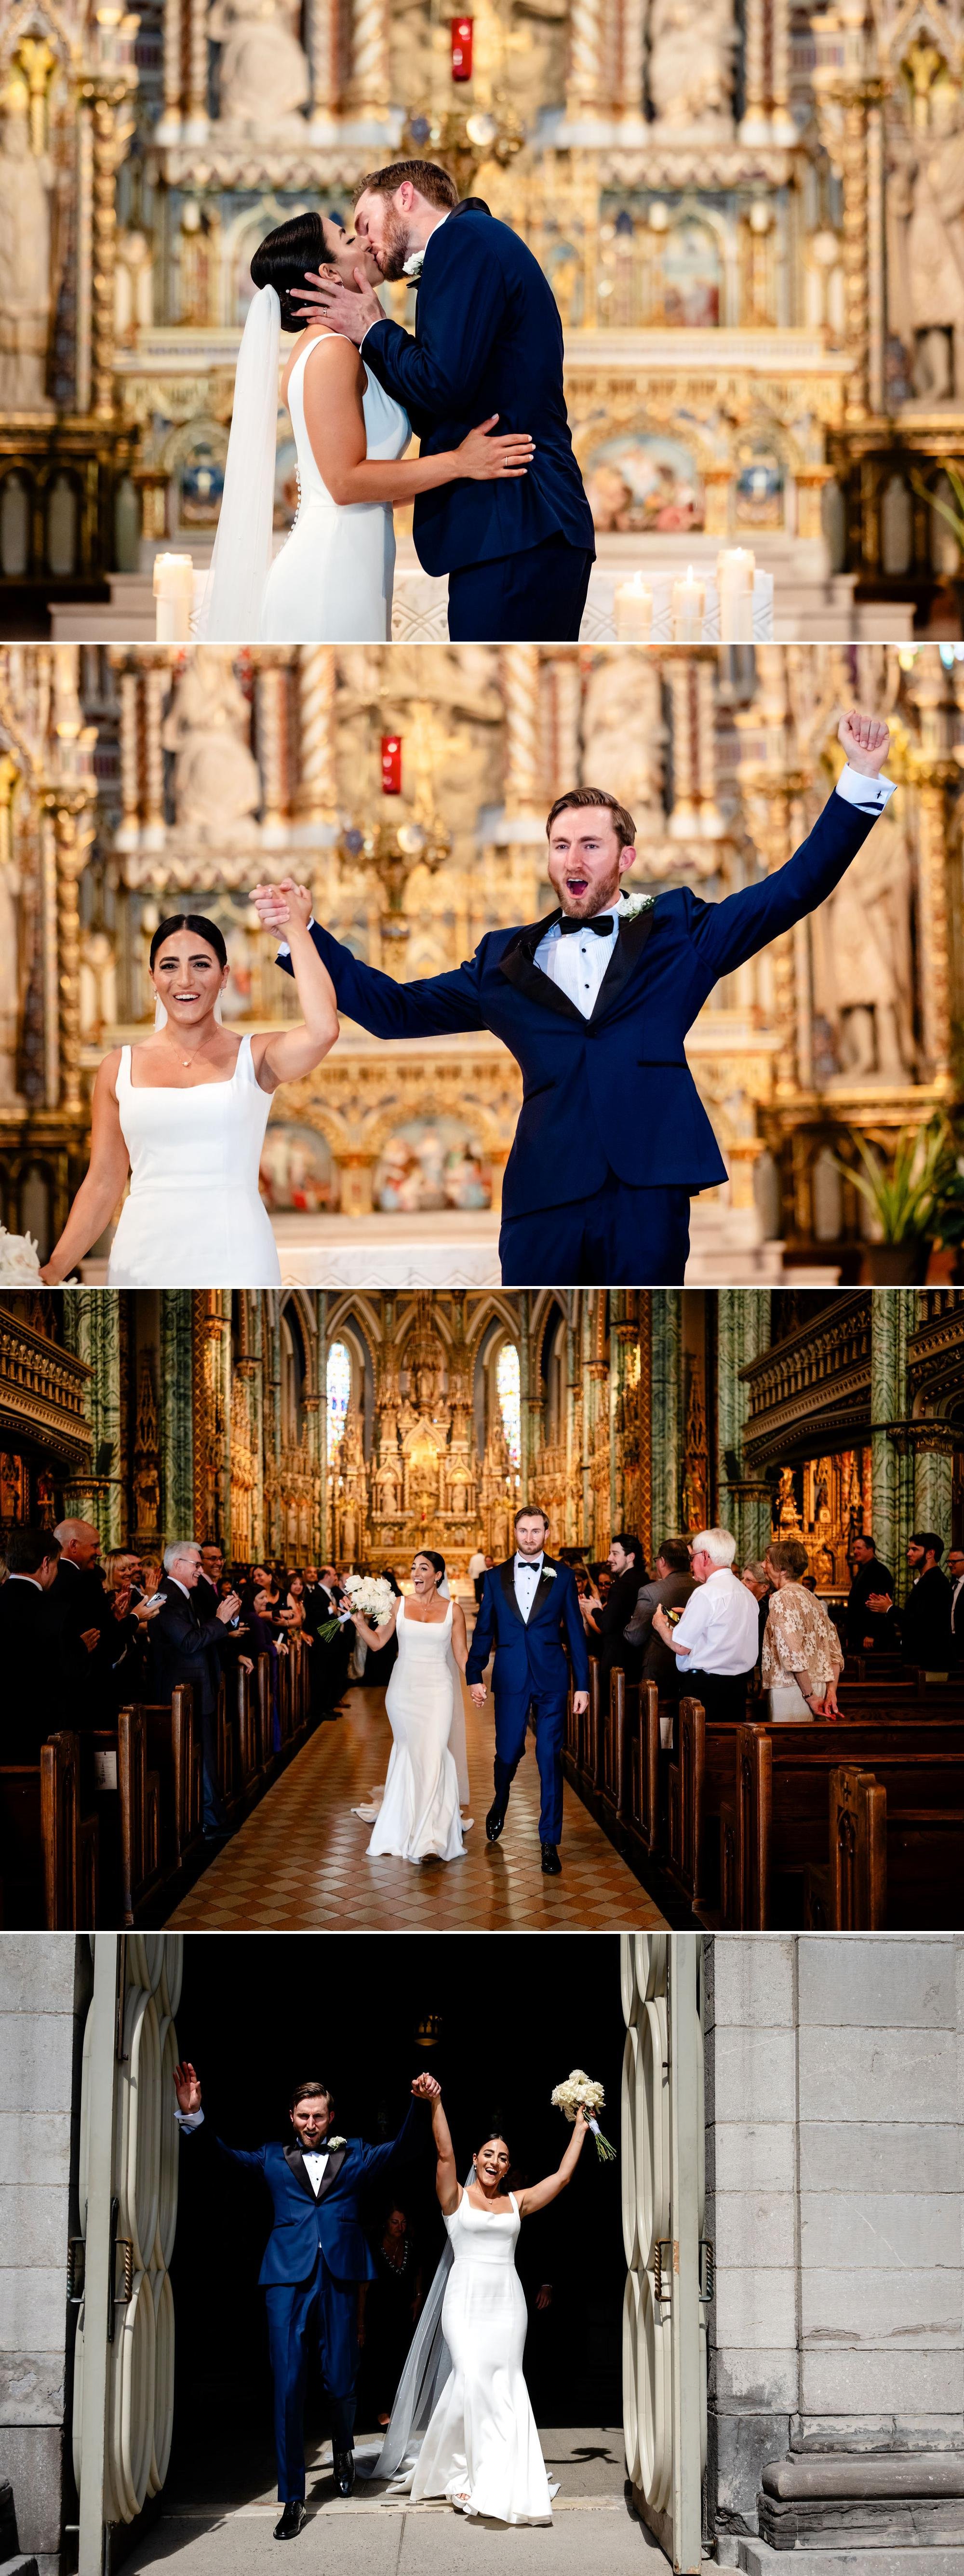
column 666, row 1364
column 370, row 38
column 71, row 846
column 156, row 684
column 934, row 772
column 270, row 737
column 755, row 125
column 197, row 70
column 632, row 41
column 893, row 1318
column 678, row 673
column 316, row 800
column 92, row 1324
column 743, row 1332
column 176, row 1415
column 105, row 92
column 321, row 42
column 173, row 64
column 845, row 80
column 129, row 759
column 933, row 1444
column 584, row 90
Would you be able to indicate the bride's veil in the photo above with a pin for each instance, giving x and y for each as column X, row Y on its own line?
column 230, row 610
column 427, row 2368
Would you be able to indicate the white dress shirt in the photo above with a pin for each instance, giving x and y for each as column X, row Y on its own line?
column 955, row 1597
column 315, row 2164
column 720, row 1626
column 527, row 1572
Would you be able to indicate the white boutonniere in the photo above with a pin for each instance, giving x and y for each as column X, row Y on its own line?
column 634, row 903
column 550, row 1573
column 413, row 266
column 334, row 2144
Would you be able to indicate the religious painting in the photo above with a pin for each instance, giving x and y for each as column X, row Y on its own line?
column 759, row 490
column 200, row 485
column 432, row 1163
column 297, row 1174
column 645, row 483
column 692, row 276
column 13, row 1487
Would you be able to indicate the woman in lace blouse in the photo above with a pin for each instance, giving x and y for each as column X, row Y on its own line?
column 802, row 1654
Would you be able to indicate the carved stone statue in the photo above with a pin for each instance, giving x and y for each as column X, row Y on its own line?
column 690, row 61
column 217, row 789
column 866, row 988
column 263, row 74
column 147, row 1499
column 925, row 218
column 25, row 296
column 622, row 734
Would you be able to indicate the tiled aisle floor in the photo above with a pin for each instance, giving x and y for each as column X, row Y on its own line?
column 300, row 1860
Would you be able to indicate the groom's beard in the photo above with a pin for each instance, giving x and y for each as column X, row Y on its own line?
column 395, row 249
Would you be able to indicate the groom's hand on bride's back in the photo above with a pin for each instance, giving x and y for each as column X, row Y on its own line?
column 187, row 2087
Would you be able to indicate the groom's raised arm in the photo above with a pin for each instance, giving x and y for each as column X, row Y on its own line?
column 727, row 933
column 457, row 331
column 435, row 1006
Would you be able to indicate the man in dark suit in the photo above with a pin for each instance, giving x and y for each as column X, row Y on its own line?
column 83, row 1617
column 529, row 1610
column 669, row 1589
column 330, row 1656
column 184, row 1647
column 870, row 1631
column 487, row 347
column 606, row 1622
column 315, row 2259
column 36, row 1696
column 925, row 1620
column 595, row 1003
column 955, row 1570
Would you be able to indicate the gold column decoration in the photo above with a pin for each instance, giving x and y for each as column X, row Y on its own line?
column 370, row 34
column 316, row 798
column 811, row 481
column 105, row 87
column 584, row 88
column 129, row 761
column 197, row 66
column 753, row 125
column 566, row 683
column 717, row 483
column 156, row 684
column 321, row 43
column 934, row 771
column 519, row 671
column 270, row 704
column 173, row 62
column 678, row 672
column 632, row 38
column 847, row 82
column 37, row 60
column 67, row 805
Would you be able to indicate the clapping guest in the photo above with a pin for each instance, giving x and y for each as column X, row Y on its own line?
column 668, row 1589
column 184, row 1648
column 715, row 1642
column 925, row 1620
column 36, row 1682
column 605, row 1619
column 802, row 1656
column 125, row 1647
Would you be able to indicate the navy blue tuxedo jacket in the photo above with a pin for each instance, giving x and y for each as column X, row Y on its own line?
column 614, row 1092
column 528, row 1652
column 488, row 338
column 301, row 2223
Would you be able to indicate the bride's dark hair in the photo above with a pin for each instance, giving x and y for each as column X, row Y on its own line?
column 202, row 929
column 282, row 259
column 432, row 1558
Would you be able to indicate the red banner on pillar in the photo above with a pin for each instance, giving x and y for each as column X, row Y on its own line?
column 391, row 764
column 461, row 30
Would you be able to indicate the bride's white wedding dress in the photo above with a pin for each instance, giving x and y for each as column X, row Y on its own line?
column 331, row 583
column 482, row 2448
column 418, row 1818
column 193, row 1217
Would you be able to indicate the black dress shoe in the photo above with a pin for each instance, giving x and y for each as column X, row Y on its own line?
column 344, row 2467
column 291, row 2520
column 494, row 1822
column 551, row 1863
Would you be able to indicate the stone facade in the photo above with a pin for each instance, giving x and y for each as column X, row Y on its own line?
column 44, row 1991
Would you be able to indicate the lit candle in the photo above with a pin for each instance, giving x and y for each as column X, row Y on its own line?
column 174, row 593
column 687, row 603
column 633, row 611
column 735, row 569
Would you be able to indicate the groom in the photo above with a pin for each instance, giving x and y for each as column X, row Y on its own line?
column 314, row 2262
column 595, row 1003
column 528, row 1607
column 487, row 344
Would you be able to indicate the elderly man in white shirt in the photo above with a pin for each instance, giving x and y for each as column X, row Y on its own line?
column 716, row 1640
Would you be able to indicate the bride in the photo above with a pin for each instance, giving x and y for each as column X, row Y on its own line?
column 418, row 1817
column 481, row 2448
column 184, row 1113
column 332, row 580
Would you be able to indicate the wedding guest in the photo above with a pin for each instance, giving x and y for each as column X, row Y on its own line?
column 391, row 2306
column 184, row 1648
column 755, row 1578
column 870, row 1632
column 605, row 1618
column 334, row 1653
column 379, row 1662
column 479, row 1578
column 80, row 1609
column 802, row 1656
column 955, row 1569
column 36, row 1686
column 925, row 1620
column 669, row 1588
column 715, row 1642
column 126, row 1648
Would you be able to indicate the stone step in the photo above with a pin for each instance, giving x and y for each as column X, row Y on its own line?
column 756, row 2559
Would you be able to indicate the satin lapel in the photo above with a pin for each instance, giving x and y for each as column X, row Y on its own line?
column 628, row 948
column 507, row 1580
column 542, row 1591
column 332, row 2170
column 296, row 2165
column 519, row 968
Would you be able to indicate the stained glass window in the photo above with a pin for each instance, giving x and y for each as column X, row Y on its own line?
column 339, row 1390
column 507, row 1383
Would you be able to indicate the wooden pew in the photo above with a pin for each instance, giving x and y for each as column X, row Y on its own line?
column 849, row 1892
column 174, row 1753
column 48, row 1846
column 782, row 1790
column 134, row 1811
column 240, row 1768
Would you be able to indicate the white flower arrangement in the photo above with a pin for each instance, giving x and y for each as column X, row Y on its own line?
column 634, row 903
column 19, row 1260
column 333, row 2145
column 581, row 2093
column 370, row 1595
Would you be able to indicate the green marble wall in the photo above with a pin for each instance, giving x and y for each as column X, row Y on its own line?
column 742, row 1333
column 666, row 1351
column 176, row 1415
column 894, row 1314
column 92, row 1332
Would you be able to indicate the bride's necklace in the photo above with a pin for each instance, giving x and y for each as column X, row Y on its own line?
column 188, row 1060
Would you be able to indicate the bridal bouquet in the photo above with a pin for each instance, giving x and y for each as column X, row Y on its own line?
column 19, row 1260
column 368, row 1593
column 579, row 2093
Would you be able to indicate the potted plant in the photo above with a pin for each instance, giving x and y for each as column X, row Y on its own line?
column 905, row 1198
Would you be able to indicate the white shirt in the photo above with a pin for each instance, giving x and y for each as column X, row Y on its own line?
column 315, row 2165
column 38, row 1587
column 527, row 1572
column 476, row 1565
column 180, row 1587
column 720, row 1626
column 955, row 1597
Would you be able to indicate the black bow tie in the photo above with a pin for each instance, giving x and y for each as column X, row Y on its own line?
column 601, row 923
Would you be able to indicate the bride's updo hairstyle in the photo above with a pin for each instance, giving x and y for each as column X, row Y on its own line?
column 282, row 260
column 432, row 1558
column 200, row 927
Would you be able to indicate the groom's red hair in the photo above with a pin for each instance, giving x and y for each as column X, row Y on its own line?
column 432, row 182
column 581, row 797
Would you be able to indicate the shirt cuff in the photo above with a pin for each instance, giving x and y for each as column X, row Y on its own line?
column 189, row 2119
column 284, row 949
column 870, row 794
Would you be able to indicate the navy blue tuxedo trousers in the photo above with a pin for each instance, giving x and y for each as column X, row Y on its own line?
column 319, row 2315
column 617, row 1238
column 535, row 597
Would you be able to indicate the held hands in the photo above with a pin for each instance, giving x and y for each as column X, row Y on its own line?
column 278, row 907
column 325, row 299
column 484, row 459
column 477, row 1693
column 426, row 2088
column 187, row 2087
column 866, row 741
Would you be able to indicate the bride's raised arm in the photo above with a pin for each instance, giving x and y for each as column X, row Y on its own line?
column 447, row 2186
column 376, row 1636
column 331, row 392
column 539, row 2194
column 280, row 1055
column 103, row 1184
